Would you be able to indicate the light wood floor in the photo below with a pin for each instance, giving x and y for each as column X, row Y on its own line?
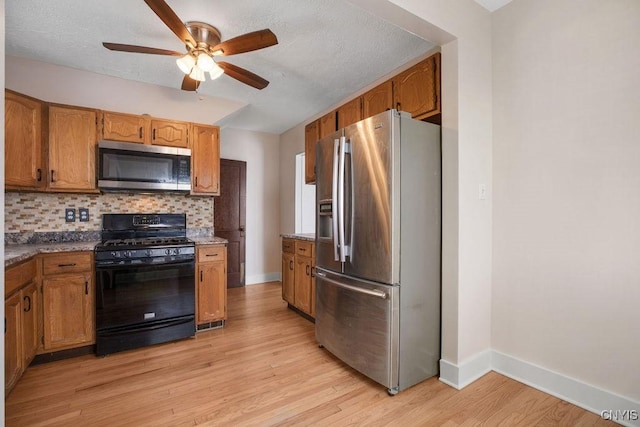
column 263, row 368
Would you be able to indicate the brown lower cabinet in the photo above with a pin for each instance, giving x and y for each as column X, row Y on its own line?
column 49, row 306
column 298, row 278
column 211, row 284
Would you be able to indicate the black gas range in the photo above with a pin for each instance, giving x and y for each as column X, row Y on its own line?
column 145, row 281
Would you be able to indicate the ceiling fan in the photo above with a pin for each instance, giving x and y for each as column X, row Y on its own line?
column 203, row 43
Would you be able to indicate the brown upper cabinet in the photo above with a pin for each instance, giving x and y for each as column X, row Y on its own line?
column 205, row 160
column 349, row 113
column 73, row 138
column 417, row 90
column 124, row 127
column 24, row 124
column 378, row 99
column 170, row 133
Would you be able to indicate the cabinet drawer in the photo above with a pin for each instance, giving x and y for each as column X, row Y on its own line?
column 211, row 253
column 304, row 248
column 66, row 263
column 288, row 246
column 18, row 276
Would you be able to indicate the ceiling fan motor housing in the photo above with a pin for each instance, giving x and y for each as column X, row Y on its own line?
column 206, row 35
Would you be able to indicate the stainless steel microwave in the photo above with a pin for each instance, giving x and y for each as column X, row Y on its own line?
column 127, row 166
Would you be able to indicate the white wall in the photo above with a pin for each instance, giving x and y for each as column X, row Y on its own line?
column 261, row 152
column 566, row 235
column 291, row 143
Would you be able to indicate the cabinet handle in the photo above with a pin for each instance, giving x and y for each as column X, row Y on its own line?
column 73, row 264
column 39, row 175
column 303, row 249
column 86, row 287
column 196, row 181
column 307, row 268
column 398, row 106
column 140, row 132
column 201, row 275
column 27, row 299
column 52, row 180
column 211, row 255
column 154, row 135
column 290, row 265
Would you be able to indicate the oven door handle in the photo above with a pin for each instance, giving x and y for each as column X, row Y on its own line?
column 148, row 327
column 190, row 262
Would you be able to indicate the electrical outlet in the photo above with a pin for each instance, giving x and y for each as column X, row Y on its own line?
column 83, row 214
column 70, row 215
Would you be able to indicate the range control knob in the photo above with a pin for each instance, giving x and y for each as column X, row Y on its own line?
column 115, row 254
column 127, row 254
column 167, row 251
column 176, row 251
column 148, row 252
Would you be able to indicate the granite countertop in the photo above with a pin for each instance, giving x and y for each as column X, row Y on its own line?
column 311, row 237
column 14, row 254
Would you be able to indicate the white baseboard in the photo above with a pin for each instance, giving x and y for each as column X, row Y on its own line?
column 460, row 376
column 262, row 278
column 614, row 407
column 581, row 394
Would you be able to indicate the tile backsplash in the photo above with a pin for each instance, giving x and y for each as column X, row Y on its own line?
column 43, row 212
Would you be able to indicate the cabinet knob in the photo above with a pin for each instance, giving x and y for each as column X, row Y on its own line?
column 140, row 132
column 39, row 175
column 290, row 265
column 86, row 287
column 52, row 180
column 27, row 299
column 307, row 268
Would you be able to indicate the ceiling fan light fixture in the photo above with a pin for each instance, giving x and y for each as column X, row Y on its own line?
column 205, row 62
column 197, row 74
column 186, row 63
column 216, row 71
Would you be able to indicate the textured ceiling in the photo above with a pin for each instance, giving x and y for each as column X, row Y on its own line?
column 327, row 49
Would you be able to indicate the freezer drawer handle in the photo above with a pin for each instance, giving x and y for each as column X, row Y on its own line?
column 371, row 292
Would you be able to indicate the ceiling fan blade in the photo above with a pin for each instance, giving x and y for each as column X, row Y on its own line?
column 189, row 84
column 140, row 49
column 244, row 76
column 246, row 43
column 171, row 20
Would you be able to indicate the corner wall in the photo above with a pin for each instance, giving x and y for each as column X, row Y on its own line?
column 566, row 215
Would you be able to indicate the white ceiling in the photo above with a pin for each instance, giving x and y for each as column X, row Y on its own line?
column 327, row 49
column 492, row 5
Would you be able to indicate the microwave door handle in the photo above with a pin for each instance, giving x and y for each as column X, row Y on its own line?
column 341, row 236
column 334, row 200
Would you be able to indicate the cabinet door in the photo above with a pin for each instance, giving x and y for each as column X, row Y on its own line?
column 72, row 148
column 288, row 278
column 378, row 100
column 327, row 124
column 417, row 89
column 349, row 113
column 68, row 309
column 169, row 133
column 13, row 360
column 211, row 291
column 311, row 136
column 205, row 160
column 30, row 312
column 124, row 127
column 23, row 141
column 302, row 292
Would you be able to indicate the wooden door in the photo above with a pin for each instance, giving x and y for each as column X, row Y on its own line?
column 68, row 311
column 211, row 292
column 288, row 278
column 349, row 113
column 417, row 89
column 23, row 166
column 378, row 100
column 124, row 127
column 311, row 136
column 30, row 310
column 205, row 160
column 170, row 133
column 302, row 292
column 229, row 217
column 13, row 360
column 72, row 148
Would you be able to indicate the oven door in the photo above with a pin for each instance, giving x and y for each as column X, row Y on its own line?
column 137, row 295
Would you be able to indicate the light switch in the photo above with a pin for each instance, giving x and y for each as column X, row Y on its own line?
column 482, row 191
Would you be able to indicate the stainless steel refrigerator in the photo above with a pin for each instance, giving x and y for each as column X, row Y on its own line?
column 378, row 234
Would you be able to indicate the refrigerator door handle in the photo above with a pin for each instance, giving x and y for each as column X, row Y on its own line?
column 334, row 200
column 341, row 235
column 370, row 292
